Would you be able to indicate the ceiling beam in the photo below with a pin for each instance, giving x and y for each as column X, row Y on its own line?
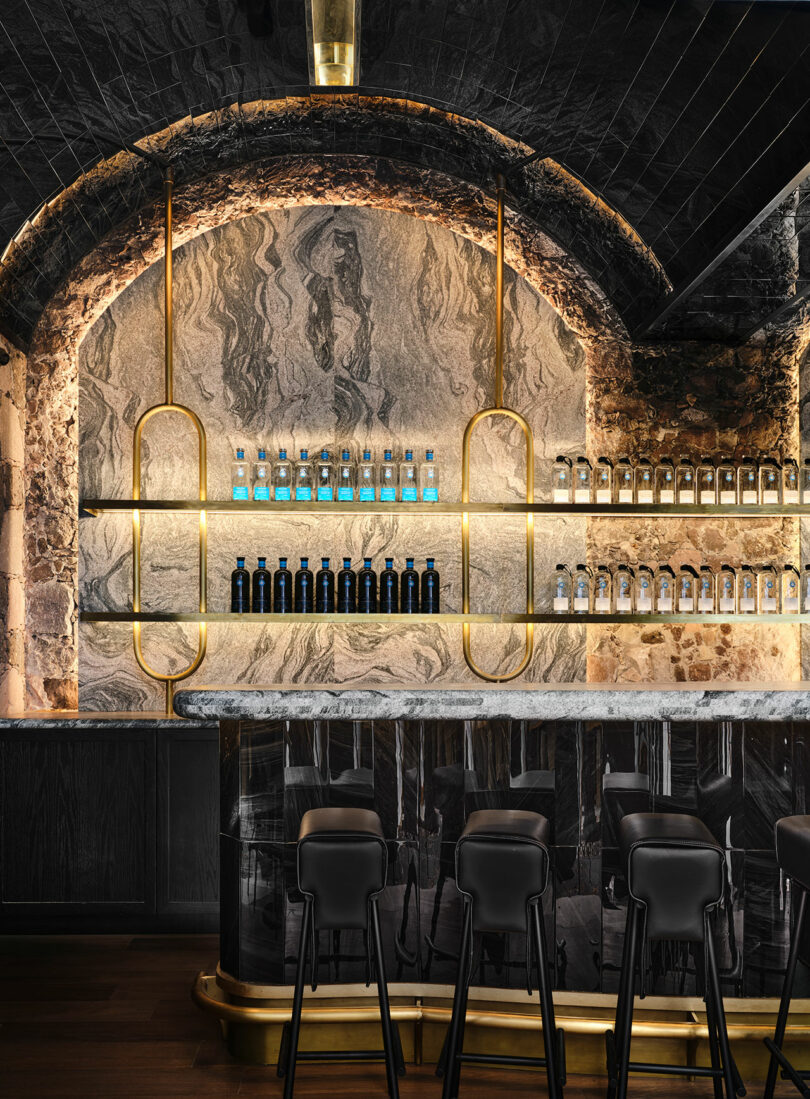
column 680, row 293
column 785, row 308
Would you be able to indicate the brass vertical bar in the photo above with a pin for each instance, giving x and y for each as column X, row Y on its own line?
column 501, row 187
column 168, row 292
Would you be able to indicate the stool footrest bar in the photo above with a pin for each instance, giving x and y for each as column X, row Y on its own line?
column 674, row 1070
column 789, row 1072
column 501, row 1059
column 341, row 1055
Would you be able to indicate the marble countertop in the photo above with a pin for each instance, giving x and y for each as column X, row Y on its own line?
column 87, row 719
column 571, row 702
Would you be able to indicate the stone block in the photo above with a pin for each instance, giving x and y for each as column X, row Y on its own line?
column 50, row 610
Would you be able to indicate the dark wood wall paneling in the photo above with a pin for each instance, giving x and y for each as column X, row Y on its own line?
column 109, row 829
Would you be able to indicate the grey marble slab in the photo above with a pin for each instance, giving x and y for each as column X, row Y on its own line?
column 574, row 702
column 80, row 719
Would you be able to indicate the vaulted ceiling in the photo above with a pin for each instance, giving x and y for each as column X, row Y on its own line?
column 689, row 118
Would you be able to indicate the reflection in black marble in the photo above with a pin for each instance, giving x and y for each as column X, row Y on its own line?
column 425, row 778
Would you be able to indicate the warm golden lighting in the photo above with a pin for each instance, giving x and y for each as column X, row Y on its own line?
column 334, row 36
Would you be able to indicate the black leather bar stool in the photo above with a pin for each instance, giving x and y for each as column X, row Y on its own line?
column 675, row 877
column 342, row 865
column 502, row 871
column 793, row 856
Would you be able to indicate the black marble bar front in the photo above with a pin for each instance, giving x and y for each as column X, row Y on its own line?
column 424, row 776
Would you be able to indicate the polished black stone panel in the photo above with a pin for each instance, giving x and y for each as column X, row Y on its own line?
column 424, row 778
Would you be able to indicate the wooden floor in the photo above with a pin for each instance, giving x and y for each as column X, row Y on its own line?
column 111, row 1018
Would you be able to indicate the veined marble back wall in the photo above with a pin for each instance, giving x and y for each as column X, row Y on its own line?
column 321, row 326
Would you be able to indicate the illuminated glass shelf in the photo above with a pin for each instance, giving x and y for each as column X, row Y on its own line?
column 257, row 507
column 359, row 619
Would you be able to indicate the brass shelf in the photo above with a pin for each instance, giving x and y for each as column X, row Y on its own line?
column 257, row 507
column 348, row 619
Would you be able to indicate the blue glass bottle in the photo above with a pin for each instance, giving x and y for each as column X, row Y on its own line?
column 346, row 588
column 367, row 589
column 389, row 589
column 409, row 589
column 430, row 589
column 282, row 588
column 325, row 589
column 304, row 599
column 240, row 588
column 262, row 600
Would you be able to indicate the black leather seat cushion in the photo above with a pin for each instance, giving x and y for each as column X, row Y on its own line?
column 675, row 867
column 502, row 865
column 342, row 863
column 793, row 848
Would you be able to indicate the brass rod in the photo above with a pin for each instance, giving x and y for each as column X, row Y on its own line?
column 168, row 297
column 501, row 186
column 481, row 617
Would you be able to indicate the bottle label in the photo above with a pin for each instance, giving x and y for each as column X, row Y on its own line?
column 240, row 492
column 367, row 493
column 667, row 496
column 282, row 492
column 747, row 605
column 790, row 606
column 686, row 604
column 601, row 605
column 582, row 496
column 687, row 496
column 664, row 605
column 261, row 492
column 749, row 496
column 705, row 605
column 645, row 496
column 560, row 604
column 769, row 605
column 603, row 496
column 303, row 492
column 409, row 493
column 325, row 492
column 770, row 496
column 726, row 605
column 623, row 604
column 430, row 495
column 346, row 492
column 561, row 496
column 387, row 493
column 581, row 603
column 625, row 496
column 707, row 496
column 728, row 496
column 644, row 605
column 791, row 496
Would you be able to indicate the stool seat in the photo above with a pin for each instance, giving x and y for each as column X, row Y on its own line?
column 342, row 863
column 674, row 868
column 502, row 866
column 793, row 848
column 343, row 821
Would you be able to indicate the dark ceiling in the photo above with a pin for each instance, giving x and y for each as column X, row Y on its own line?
column 691, row 118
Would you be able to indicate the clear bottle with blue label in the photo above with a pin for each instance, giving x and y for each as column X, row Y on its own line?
column 583, row 589
column 747, row 591
column 240, row 477
column 685, row 482
column 583, row 476
column 768, row 590
column 623, row 587
column 429, row 479
column 562, row 481
column 261, row 477
column 645, row 586
column 790, row 481
column 707, row 590
column 770, row 481
column 367, row 479
column 727, row 590
column 408, row 483
column 325, row 478
column 431, row 588
column 562, row 590
column 664, row 590
column 282, row 477
column 791, row 587
column 805, row 479
column 806, row 589
column 602, row 590
column 665, row 482
column 645, row 482
column 346, row 478
column 687, row 590
column 706, row 482
column 303, row 477
column 726, row 483
column 603, row 481
column 388, row 479
column 747, row 490
column 623, row 479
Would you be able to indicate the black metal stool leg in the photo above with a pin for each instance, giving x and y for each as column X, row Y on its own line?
column 385, row 1010
column 455, row 1039
column 553, row 1070
column 298, row 1001
column 713, row 980
column 624, row 1009
column 625, row 975
column 787, row 992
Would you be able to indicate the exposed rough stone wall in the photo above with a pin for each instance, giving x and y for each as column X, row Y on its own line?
column 12, row 601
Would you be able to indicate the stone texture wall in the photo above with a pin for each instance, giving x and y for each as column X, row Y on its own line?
column 12, row 599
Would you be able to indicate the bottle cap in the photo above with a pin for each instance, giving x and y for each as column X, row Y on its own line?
column 344, row 457
column 429, row 455
column 240, row 562
column 282, row 455
column 304, row 454
column 366, row 455
column 408, row 562
column 282, row 562
column 347, row 562
column 726, row 568
column 389, row 562
column 429, row 562
column 388, row 455
column 324, row 455
column 262, row 455
column 240, row 454
column 366, row 562
column 561, row 567
column 324, row 562
column 408, row 455
column 583, row 461
column 262, row 562
column 304, row 562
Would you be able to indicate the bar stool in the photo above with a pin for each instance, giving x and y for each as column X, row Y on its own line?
column 793, row 856
column 675, row 877
column 342, row 866
column 502, row 871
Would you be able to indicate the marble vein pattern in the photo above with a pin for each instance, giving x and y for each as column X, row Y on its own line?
column 323, row 327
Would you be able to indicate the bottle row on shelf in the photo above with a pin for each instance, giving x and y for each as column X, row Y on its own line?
column 645, row 590
column 351, row 592
column 725, row 482
column 324, row 480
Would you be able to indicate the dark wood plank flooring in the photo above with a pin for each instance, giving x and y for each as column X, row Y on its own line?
column 110, row 1017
